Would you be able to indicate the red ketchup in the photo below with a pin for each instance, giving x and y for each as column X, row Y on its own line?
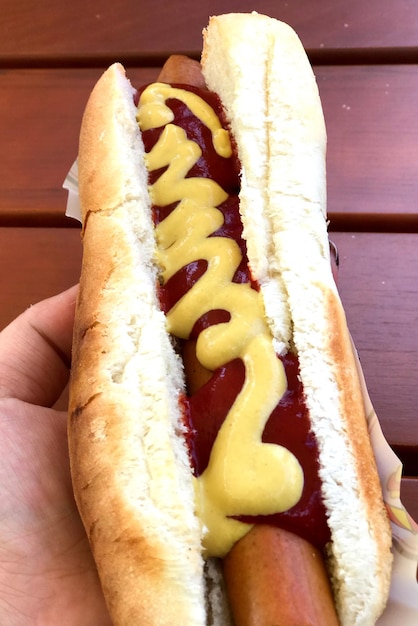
column 205, row 410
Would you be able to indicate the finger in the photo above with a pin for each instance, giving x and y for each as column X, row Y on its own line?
column 35, row 351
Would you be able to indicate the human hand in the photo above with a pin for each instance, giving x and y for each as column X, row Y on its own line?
column 47, row 573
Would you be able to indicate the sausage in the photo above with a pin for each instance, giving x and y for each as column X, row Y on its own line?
column 275, row 577
column 272, row 576
column 182, row 69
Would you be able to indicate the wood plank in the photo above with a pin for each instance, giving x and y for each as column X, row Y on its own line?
column 77, row 31
column 36, row 263
column 372, row 141
column 40, row 115
column 409, row 496
column 378, row 285
column 379, row 288
column 372, row 127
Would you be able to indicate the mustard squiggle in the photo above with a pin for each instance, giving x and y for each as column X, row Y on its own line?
column 244, row 476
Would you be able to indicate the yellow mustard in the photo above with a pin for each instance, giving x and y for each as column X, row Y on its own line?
column 244, row 476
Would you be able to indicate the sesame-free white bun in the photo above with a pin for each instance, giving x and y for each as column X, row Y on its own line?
column 130, row 466
column 288, row 249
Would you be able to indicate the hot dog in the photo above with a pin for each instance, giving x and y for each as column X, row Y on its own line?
column 223, row 260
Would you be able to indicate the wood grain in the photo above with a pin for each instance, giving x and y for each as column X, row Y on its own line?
column 372, row 127
column 409, row 496
column 379, row 290
column 83, row 33
column 36, row 263
column 372, row 142
column 40, row 116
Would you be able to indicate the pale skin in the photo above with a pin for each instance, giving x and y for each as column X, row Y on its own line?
column 47, row 573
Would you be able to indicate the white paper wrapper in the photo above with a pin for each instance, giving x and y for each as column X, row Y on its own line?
column 71, row 185
column 402, row 607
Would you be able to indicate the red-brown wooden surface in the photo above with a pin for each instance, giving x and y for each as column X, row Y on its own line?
column 365, row 56
column 372, row 141
column 77, row 31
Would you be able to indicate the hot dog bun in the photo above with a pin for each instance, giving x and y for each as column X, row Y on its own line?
column 131, row 474
column 130, row 467
column 291, row 164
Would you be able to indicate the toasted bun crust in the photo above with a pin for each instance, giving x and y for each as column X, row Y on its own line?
column 131, row 473
column 130, row 468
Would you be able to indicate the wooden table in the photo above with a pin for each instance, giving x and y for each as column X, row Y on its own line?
column 365, row 55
